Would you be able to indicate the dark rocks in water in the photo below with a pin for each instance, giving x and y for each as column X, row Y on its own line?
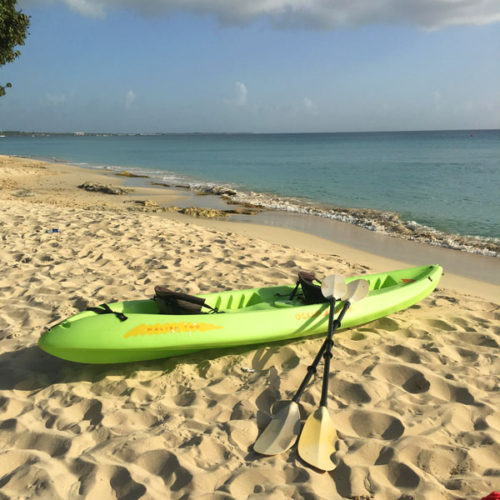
column 217, row 190
column 245, row 204
column 126, row 173
column 104, row 188
column 208, row 213
column 211, row 213
column 163, row 184
column 244, row 211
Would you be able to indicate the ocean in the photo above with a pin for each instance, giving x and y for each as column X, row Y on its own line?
column 440, row 187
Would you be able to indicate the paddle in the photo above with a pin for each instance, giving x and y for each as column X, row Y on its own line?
column 284, row 428
column 318, row 437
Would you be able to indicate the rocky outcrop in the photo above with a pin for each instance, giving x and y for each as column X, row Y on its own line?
column 104, row 188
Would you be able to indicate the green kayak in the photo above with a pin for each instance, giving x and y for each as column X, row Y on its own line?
column 140, row 330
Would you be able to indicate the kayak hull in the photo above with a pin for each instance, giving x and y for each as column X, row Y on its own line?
column 253, row 316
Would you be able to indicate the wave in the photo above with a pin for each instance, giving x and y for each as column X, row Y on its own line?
column 386, row 222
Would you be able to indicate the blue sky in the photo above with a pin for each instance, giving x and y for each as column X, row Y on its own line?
column 262, row 66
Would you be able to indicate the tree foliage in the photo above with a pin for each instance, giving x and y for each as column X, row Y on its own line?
column 13, row 30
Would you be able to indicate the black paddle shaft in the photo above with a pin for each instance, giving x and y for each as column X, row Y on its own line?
column 311, row 370
column 332, row 326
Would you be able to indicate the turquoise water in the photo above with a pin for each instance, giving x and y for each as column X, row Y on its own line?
column 449, row 181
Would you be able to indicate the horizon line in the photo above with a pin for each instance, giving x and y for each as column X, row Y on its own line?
column 82, row 133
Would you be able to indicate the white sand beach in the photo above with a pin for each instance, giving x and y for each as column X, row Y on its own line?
column 415, row 396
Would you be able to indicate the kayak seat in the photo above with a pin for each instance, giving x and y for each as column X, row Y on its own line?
column 170, row 302
column 310, row 289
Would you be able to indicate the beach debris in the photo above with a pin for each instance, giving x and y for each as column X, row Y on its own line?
column 246, row 369
column 104, row 188
column 53, row 230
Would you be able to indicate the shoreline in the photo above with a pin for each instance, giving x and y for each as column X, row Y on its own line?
column 476, row 273
column 383, row 222
column 414, row 396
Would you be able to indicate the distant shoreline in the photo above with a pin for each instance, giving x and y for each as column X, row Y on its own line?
column 160, row 134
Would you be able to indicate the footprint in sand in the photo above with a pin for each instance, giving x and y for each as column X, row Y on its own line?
column 404, row 353
column 165, row 464
column 275, row 356
column 410, row 379
column 438, row 324
column 33, row 477
column 15, row 435
column 107, row 481
column 402, row 476
column 369, row 424
column 349, row 392
column 387, row 324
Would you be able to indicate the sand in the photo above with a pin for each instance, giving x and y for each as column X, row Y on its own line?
column 415, row 396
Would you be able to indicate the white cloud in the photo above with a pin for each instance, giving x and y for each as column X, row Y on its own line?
column 89, row 8
column 309, row 106
column 315, row 14
column 239, row 98
column 129, row 98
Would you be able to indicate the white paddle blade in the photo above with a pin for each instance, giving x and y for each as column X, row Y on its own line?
column 281, row 432
column 356, row 290
column 333, row 286
column 317, row 440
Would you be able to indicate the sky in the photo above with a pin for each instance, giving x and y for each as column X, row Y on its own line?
column 148, row 66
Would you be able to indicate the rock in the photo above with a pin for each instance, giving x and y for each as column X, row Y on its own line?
column 104, row 188
column 126, row 173
column 161, row 184
column 207, row 213
column 24, row 193
column 147, row 203
column 244, row 211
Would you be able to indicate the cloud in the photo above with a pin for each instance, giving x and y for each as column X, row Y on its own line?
column 309, row 106
column 312, row 14
column 129, row 99
column 239, row 98
column 89, row 8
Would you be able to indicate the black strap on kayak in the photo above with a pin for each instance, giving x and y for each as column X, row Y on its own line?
column 105, row 309
column 170, row 302
column 312, row 291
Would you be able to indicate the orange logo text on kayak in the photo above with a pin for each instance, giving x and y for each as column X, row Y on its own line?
column 309, row 315
column 163, row 328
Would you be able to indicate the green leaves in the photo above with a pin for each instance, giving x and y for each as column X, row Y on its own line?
column 13, row 30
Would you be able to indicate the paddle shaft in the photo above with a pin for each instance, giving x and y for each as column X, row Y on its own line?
column 311, row 370
column 332, row 326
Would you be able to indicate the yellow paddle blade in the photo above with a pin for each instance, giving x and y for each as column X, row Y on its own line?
column 281, row 432
column 317, row 440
